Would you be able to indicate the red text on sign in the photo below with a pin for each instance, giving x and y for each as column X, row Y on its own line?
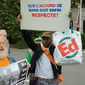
column 45, row 15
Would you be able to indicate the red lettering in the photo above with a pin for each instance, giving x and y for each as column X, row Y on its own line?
column 44, row 15
column 48, row 15
column 51, row 14
column 41, row 5
column 47, row 5
column 34, row 14
column 57, row 14
column 62, row 49
column 54, row 15
column 41, row 14
column 73, row 44
column 54, row 5
column 38, row 14
column 70, row 47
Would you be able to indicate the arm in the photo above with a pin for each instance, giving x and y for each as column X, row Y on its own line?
column 28, row 39
column 70, row 16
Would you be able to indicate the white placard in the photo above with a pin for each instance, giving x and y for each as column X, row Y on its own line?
column 45, row 15
column 14, row 74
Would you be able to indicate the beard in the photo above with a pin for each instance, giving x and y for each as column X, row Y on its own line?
column 3, row 53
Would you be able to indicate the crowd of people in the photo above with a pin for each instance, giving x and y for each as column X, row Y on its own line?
column 42, row 68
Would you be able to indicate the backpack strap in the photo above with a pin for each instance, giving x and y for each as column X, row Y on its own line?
column 48, row 54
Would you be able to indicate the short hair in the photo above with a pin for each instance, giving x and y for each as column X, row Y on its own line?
column 3, row 31
column 5, row 41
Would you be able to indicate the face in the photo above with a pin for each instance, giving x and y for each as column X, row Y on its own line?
column 1, row 43
column 3, row 49
column 3, row 33
column 46, row 41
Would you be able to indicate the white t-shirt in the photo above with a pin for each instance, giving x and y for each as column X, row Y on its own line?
column 43, row 67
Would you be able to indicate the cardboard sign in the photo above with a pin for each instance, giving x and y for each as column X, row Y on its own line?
column 45, row 15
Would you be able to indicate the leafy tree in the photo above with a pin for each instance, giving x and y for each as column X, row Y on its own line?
column 83, row 3
column 9, row 10
column 74, row 3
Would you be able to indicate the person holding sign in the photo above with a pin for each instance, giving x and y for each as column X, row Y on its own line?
column 42, row 62
column 5, row 58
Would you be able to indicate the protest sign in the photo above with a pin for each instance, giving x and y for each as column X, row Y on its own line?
column 14, row 74
column 45, row 15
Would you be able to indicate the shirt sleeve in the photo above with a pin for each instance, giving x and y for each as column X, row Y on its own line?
column 26, row 35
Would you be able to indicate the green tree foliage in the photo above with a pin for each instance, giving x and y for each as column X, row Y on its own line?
column 74, row 3
column 9, row 10
column 83, row 40
column 83, row 3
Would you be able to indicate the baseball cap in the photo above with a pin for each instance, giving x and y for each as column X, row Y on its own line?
column 37, row 39
column 47, row 34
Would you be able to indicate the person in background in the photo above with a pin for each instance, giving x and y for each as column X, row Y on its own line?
column 30, row 52
column 29, row 55
column 5, row 58
column 5, row 34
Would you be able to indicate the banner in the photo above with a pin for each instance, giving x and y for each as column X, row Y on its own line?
column 45, row 15
column 14, row 74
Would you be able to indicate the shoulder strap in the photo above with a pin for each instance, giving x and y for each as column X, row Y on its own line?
column 48, row 54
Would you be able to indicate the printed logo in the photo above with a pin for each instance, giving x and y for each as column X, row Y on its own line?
column 71, row 47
